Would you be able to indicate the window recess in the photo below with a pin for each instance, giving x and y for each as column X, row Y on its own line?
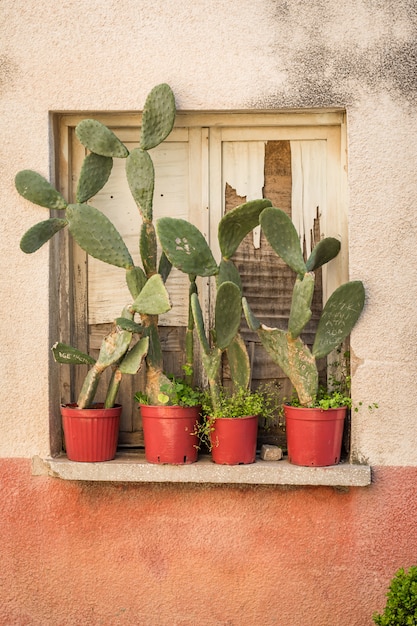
column 210, row 163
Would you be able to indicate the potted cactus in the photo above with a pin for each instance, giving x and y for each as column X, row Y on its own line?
column 231, row 440
column 314, row 427
column 96, row 235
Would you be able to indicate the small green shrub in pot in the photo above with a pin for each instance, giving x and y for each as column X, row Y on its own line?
column 401, row 605
column 236, row 403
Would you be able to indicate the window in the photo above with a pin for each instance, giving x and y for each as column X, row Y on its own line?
column 210, row 163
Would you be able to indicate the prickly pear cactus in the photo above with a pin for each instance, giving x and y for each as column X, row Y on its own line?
column 338, row 318
column 158, row 116
column 38, row 190
column 96, row 234
column 99, row 139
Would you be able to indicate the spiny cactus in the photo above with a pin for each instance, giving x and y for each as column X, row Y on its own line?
column 187, row 249
column 96, row 234
column 339, row 315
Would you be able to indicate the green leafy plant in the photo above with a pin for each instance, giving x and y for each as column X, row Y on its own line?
column 401, row 606
column 235, row 403
column 177, row 393
column 339, row 315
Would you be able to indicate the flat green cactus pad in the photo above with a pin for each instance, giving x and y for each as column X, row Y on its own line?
column 326, row 250
column 340, row 314
column 300, row 313
column 251, row 319
column 134, row 358
column 141, row 179
column 228, row 313
column 95, row 172
column 238, row 358
column 135, row 279
column 64, row 353
column 99, row 139
column 158, row 116
column 186, row 247
column 40, row 233
column 95, row 234
column 148, row 247
column 294, row 358
column 164, row 267
column 113, row 347
column 237, row 223
column 228, row 272
column 127, row 324
column 153, row 299
column 283, row 237
column 199, row 323
column 38, row 190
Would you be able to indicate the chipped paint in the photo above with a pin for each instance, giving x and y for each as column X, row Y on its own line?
column 243, row 169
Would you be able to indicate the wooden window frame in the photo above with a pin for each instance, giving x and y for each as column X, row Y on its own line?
column 207, row 131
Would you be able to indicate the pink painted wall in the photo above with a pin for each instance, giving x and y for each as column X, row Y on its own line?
column 180, row 555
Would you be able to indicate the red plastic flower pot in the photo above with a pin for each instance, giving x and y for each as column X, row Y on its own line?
column 233, row 440
column 91, row 434
column 170, row 433
column 314, row 436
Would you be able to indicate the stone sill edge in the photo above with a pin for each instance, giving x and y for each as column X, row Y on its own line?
column 132, row 467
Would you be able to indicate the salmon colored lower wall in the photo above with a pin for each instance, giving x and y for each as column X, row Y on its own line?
column 179, row 555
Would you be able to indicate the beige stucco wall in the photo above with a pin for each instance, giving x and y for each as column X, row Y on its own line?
column 242, row 54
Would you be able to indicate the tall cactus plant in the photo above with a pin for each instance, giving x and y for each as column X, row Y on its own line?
column 187, row 250
column 95, row 234
column 339, row 315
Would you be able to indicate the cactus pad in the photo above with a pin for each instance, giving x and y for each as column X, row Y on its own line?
column 141, row 179
column 148, row 247
column 95, row 234
column 294, row 358
column 283, row 237
column 326, row 250
column 199, row 322
column 95, row 172
column 38, row 190
column 228, row 272
column 185, row 247
column 133, row 360
column 228, row 313
column 113, row 347
column 237, row 223
column 135, row 279
column 64, row 353
column 40, row 233
column 99, row 139
column 239, row 364
column 340, row 314
column 300, row 313
column 158, row 116
column 153, row 299
column 164, row 267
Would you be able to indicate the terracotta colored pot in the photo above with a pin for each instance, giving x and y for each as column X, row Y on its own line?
column 91, row 434
column 314, row 436
column 233, row 440
column 170, row 433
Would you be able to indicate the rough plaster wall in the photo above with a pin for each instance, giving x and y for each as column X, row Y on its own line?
column 146, row 555
column 238, row 55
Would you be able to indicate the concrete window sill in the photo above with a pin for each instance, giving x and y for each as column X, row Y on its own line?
column 132, row 467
